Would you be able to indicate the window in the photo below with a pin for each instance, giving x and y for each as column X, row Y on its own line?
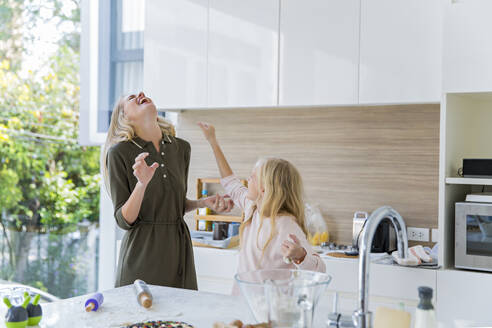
column 111, row 61
column 125, row 55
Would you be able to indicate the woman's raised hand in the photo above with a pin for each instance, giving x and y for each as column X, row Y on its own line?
column 219, row 204
column 142, row 171
column 208, row 131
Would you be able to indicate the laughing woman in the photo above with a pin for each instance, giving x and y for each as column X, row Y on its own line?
column 146, row 169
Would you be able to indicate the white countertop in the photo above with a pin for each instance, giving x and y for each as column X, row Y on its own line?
column 120, row 308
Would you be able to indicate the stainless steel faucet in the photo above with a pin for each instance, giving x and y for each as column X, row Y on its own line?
column 362, row 317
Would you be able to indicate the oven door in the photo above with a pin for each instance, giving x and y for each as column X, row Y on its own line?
column 473, row 236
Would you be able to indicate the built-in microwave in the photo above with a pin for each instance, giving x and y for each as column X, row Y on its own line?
column 473, row 236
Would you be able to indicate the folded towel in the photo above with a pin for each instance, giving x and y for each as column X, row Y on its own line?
column 419, row 252
column 416, row 255
column 411, row 260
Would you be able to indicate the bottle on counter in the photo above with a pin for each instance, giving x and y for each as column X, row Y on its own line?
column 204, row 210
column 144, row 296
column 204, row 225
column 425, row 316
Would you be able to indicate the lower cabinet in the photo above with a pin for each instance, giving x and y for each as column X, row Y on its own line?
column 464, row 298
column 215, row 269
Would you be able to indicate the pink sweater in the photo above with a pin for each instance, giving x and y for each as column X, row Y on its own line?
column 250, row 254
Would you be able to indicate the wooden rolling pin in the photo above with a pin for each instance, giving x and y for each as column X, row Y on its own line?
column 144, row 296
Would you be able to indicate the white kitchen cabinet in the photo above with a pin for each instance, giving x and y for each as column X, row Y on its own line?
column 243, row 53
column 175, row 53
column 319, row 52
column 464, row 296
column 467, row 46
column 215, row 269
column 400, row 51
column 386, row 281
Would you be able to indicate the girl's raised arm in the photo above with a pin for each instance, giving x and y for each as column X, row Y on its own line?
column 209, row 133
column 231, row 184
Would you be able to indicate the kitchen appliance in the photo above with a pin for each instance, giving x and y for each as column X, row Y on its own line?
column 481, row 197
column 384, row 240
column 285, row 298
column 477, row 167
column 358, row 223
column 219, row 230
column 473, row 236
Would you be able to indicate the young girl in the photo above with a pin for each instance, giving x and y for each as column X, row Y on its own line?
column 273, row 233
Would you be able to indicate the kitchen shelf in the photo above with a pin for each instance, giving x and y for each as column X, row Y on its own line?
column 214, row 217
column 469, row 181
column 221, row 218
column 209, row 180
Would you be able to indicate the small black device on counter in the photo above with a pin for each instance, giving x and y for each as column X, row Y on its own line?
column 220, row 230
column 477, row 168
column 384, row 240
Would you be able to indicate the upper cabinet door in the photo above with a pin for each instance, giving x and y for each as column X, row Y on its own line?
column 319, row 52
column 400, row 51
column 243, row 53
column 467, row 49
column 175, row 53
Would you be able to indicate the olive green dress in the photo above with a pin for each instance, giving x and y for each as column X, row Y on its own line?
column 157, row 246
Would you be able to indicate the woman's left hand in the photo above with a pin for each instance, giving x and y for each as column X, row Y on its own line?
column 219, row 204
column 293, row 250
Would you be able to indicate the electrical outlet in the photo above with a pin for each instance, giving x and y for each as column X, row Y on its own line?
column 418, row 234
column 435, row 235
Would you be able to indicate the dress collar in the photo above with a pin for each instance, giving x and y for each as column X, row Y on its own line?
column 140, row 143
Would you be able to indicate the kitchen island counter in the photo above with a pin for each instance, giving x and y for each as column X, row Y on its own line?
column 120, row 308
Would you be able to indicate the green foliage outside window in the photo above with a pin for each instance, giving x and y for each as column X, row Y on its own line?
column 49, row 184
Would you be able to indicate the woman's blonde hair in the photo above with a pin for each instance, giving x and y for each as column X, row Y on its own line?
column 120, row 130
column 283, row 195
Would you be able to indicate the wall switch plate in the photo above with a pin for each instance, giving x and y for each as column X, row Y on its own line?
column 435, row 235
column 418, row 234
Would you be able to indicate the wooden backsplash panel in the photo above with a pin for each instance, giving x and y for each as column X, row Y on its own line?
column 351, row 158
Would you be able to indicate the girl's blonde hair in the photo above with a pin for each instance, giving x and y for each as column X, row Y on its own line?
column 120, row 130
column 283, row 195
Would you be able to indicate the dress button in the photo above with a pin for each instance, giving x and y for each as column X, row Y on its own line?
column 162, row 165
column 165, row 176
column 162, row 153
column 162, row 142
